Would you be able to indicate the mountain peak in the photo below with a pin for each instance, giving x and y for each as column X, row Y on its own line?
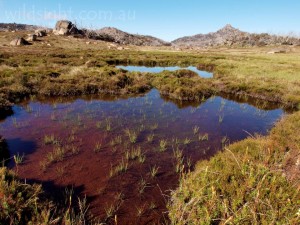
column 228, row 27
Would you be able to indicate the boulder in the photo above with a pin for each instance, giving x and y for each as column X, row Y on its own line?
column 65, row 27
column 18, row 42
column 40, row 33
column 32, row 37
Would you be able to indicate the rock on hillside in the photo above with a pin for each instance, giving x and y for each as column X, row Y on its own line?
column 19, row 42
column 229, row 36
column 65, row 27
column 121, row 37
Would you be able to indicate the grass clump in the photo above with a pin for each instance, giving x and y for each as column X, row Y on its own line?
column 163, row 145
column 132, row 135
column 18, row 158
column 122, row 167
column 50, row 140
column 98, row 147
column 154, row 171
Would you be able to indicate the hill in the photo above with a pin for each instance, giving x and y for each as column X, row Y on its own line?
column 17, row 27
column 230, row 36
column 121, row 37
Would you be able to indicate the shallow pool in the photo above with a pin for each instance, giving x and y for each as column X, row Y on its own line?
column 158, row 69
column 124, row 152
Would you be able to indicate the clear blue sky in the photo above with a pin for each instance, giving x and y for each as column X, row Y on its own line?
column 166, row 19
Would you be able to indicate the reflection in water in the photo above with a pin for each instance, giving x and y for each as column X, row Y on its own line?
column 158, row 69
column 133, row 148
column 4, row 153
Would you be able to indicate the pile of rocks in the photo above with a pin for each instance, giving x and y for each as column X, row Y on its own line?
column 65, row 27
column 19, row 41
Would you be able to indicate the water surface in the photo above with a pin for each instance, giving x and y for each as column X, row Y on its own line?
column 158, row 69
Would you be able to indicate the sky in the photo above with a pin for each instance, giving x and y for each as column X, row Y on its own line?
column 165, row 19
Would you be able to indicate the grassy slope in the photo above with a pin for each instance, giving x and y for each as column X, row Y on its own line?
column 255, row 181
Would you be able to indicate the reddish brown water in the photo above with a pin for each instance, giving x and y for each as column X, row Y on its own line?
column 93, row 137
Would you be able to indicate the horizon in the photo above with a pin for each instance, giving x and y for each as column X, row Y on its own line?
column 166, row 20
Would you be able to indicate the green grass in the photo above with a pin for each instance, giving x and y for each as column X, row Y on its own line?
column 154, row 170
column 18, row 159
column 163, row 145
column 251, row 182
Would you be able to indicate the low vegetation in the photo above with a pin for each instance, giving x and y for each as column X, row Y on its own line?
column 64, row 71
column 255, row 181
column 22, row 203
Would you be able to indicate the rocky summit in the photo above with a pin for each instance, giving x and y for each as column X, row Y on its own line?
column 230, row 36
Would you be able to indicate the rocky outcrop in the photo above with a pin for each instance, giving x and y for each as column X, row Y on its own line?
column 230, row 36
column 124, row 38
column 65, row 27
column 19, row 42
